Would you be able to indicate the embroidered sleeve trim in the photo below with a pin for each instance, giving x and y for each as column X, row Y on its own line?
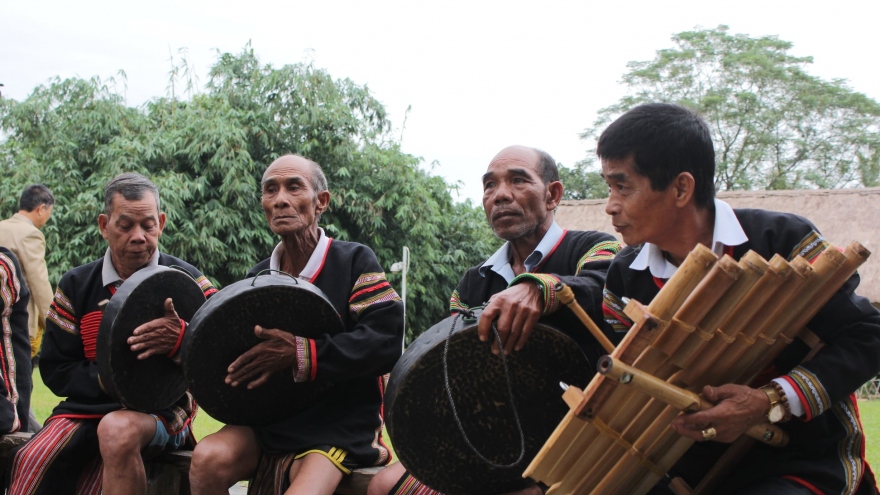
column 602, row 251
column 303, row 372
column 61, row 313
column 368, row 279
column 546, row 284
column 811, row 391
column 10, row 289
column 384, row 296
column 63, row 302
column 810, row 247
column 207, row 287
column 612, row 309
column 455, row 304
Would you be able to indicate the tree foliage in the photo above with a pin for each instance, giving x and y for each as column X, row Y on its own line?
column 207, row 154
column 774, row 125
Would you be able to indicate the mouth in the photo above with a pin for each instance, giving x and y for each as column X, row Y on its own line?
column 504, row 214
column 618, row 228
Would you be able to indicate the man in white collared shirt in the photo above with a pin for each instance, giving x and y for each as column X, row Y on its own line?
column 659, row 163
column 521, row 190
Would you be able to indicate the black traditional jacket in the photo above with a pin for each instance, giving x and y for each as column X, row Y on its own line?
column 68, row 363
column 579, row 260
column 350, row 416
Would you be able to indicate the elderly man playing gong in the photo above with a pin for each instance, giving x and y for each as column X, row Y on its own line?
column 521, row 190
column 90, row 444
column 310, row 452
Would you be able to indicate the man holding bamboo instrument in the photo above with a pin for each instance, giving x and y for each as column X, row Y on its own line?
column 659, row 163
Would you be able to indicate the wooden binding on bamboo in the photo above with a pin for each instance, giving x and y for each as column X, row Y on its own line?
column 715, row 321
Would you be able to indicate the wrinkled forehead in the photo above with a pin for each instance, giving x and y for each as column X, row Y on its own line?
column 143, row 207
column 513, row 160
column 287, row 167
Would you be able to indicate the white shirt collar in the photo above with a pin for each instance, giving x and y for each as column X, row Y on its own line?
column 108, row 272
column 727, row 232
column 499, row 262
column 316, row 260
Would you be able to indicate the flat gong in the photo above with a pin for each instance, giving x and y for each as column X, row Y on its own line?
column 428, row 438
column 223, row 329
column 156, row 382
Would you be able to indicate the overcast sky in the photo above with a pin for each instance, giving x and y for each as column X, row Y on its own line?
column 479, row 75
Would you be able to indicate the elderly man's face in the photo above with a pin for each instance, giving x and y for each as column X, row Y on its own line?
column 132, row 231
column 516, row 200
column 289, row 199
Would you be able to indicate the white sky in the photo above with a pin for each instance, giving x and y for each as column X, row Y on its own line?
column 479, row 75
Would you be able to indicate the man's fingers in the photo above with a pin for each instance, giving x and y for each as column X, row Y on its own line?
column 484, row 327
column 259, row 381
column 527, row 330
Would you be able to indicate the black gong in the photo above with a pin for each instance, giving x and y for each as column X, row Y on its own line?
column 427, row 437
column 223, row 329
column 156, row 382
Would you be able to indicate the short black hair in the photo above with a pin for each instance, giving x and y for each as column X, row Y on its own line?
column 664, row 140
column 35, row 195
column 132, row 186
column 547, row 167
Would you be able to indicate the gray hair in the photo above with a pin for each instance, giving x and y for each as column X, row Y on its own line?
column 132, row 186
column 547, row 167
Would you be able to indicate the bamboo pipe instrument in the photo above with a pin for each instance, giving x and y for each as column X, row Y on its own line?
column 680, row 398
column 565, row 294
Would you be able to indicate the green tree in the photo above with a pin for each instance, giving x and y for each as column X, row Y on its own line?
column 207, row 154
column 582, row 181
column 774, row 125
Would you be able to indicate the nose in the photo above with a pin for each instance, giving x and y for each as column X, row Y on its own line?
column 501, row 193
column 612, row 206
column 138, row 235
column 281, row 200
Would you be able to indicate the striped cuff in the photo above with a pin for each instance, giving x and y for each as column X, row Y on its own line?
column 809, row 391
column 306, row 360
column 546, row 284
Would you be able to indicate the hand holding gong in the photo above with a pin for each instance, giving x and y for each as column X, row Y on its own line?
column 157, row 337
column 277, row 353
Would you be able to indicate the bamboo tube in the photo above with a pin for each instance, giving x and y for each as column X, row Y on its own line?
column 752, row 267
column 854, row 256
column 707, row 293
column 670, row 456
column 683, row 400
column 824, row 267
column 674, row 294
column 677, row 289
column 777, row 272
column 566, row 439
column 723, row 466
column 565, row 294
column 745, row 340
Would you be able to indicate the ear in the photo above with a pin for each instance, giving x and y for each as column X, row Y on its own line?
column 162, row 219
column 683, row 188
column 103, row 220
column 555, row 189
column 323, row 202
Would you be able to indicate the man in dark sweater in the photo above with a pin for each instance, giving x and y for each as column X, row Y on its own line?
column 309, row 452
column 90, row 444
column 521, row 190
column 659, row 163
column 15, row 355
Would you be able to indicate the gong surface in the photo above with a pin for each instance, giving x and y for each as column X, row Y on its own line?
column 156, row 382
column 223, row 329
column 424, row 431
